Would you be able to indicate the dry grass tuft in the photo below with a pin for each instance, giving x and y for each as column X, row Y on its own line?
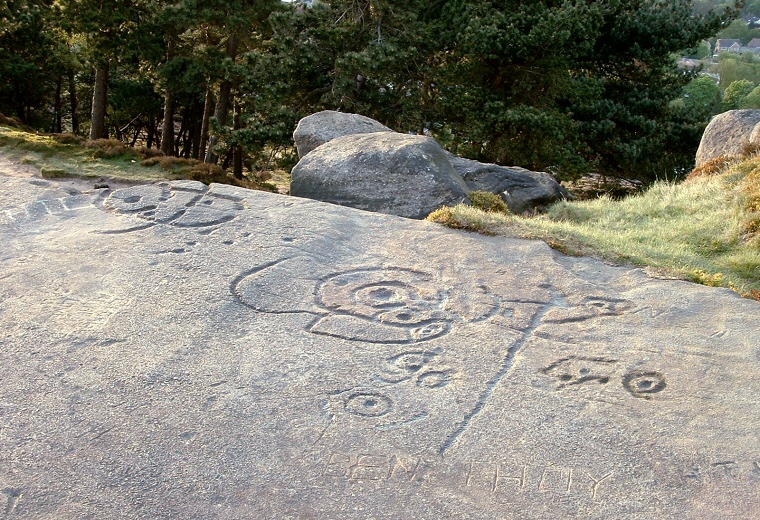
column 110, row 149
column 712, row 167
column 487, row 201
column 68, row 138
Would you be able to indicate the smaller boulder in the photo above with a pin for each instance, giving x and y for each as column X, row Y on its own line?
column 728, row 134
column 523, row 190
column 386, row 172
column 322, row 127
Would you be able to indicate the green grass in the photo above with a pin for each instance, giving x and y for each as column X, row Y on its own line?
column 704, row 229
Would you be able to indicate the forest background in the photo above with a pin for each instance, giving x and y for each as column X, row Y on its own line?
column 567, row 86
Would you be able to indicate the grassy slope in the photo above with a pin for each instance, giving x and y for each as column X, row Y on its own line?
column 56, row 159
column 64, row 155
column 704, row 229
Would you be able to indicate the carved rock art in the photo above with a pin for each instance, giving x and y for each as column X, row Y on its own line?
column 368, row 404
column 182, row 205
column 580, row 370
column 391, row 305
column 589, row 307
column 418, row 370
column 644, row 384
column 414, row 365
column 394, row 306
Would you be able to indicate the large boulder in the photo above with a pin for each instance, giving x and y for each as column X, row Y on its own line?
column 728, row 134
column 523, row 190
column 319, row 128
column 385, row 172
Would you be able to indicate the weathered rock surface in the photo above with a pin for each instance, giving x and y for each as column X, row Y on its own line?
column 182, row 351
column 319, row 128
column 522, row 190
column 728, row 134
column 386, row 172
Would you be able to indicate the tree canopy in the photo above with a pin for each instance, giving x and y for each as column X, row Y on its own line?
column 568, row 86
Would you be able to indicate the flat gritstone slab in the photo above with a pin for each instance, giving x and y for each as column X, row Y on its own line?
column 183, row 351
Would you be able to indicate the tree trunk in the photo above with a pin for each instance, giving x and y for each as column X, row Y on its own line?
column 237, row 157
column 207, row 108
column 56, row 127
column 138, row 129
column 182, row 135
column 227, row 159
column 223, row 105
column 74, row 102
column 99, row 100
column 195, row 131
column 167, row 130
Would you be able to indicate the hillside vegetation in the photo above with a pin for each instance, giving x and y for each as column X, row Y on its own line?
column 567, row 87
column 68, row 155
column 705, row 229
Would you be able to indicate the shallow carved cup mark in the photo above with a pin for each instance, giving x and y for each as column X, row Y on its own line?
column 644, row 384
column 368, row 404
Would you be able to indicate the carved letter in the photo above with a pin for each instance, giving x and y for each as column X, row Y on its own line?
column 560, row 479
column 501, row 478
column 473, row 473
column 597, row 483
column 725, row 469
column 337, row 465
column 408, row 467
column 370, row 467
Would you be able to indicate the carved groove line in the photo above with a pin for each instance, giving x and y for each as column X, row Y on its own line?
column 507, row 367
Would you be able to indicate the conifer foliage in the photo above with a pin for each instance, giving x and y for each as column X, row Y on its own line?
column 563, row 85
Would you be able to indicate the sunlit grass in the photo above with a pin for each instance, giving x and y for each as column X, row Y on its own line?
column 704, row 229
column 71, row 158
column 66, row 155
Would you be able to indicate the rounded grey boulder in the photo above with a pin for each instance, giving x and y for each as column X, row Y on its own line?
column 386, row 172
column 728, row 134
column 523, row 190
column 319, row 128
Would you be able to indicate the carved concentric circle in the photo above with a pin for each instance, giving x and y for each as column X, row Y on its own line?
column 368, row 404
column 644, row 384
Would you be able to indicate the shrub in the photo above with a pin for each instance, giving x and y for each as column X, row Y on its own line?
column 67, row 138
column 13, row 122
column 110, row 149
column 55, row 173
column 208, row 173
column 750, row 188
column 147, row 153
column 487, row 201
